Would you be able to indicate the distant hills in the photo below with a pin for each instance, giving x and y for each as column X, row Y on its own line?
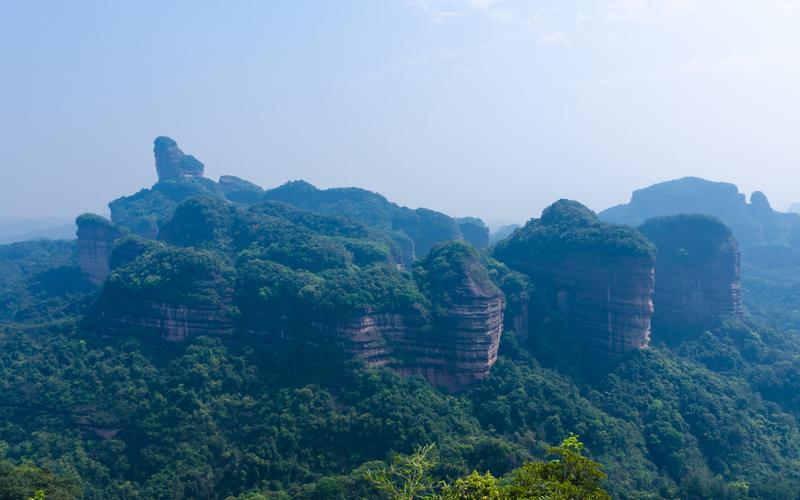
column 755, row 223
column 13, row 229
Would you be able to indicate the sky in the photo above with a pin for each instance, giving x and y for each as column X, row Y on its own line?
column 489, row 108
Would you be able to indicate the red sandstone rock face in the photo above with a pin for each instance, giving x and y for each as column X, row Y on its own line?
column 608, row 300
column 461, row 348
column 599, row 277
column 456, row 353
column 698, row 293
column 455, row 348
column 697, row 270
column 95, row 240
column 173, row 322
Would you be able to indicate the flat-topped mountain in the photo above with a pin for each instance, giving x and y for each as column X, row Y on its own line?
column 599, row 276
column 698, row 274
column 287, row 275
column 753, row 223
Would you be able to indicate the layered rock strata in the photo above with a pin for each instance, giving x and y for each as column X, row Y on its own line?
column 96, row 236
column 599, row 277
column 461, row 348
column 452, row 340
column 172, row 322
column 697, row 269
column 467, row 319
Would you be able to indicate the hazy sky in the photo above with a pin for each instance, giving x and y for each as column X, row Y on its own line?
column 474, row 107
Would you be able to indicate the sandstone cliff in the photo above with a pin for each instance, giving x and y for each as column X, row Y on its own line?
column 168, row 292
column 599, row 277
column 697, row 270
column 444, row 324
column 96, row 237
column 467, row 319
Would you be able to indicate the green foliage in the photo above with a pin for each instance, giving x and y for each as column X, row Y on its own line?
column 451, row 268
column 29, row 482
column 687, row 236
column 171, row 275
column 474, row 487
column 703, row 414
column 425, row 227
column 570, row 476
column 567, row 226
column 40, row 282
column 201, row 222
column 407, row 477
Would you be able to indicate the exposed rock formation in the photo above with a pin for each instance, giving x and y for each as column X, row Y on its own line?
column 697, row 270
column 171, row 322
column 467, row 322
column 373, row 336
column 170, row 292
column 172, row 163
column 96, row 237
column 450, row 334
column 600, row 277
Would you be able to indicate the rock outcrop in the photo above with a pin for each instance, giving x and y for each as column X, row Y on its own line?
column 96, row 236
column 445, row 326
column 697, row 270
column 168, row 292
column 173, row 322
column 467, row 319
column 172, row 163
column 600, row 277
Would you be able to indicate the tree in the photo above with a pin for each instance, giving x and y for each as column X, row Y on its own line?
column 569, row 477
column 408, row 477
column 474, row 487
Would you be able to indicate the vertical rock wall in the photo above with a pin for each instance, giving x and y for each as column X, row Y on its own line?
column 697, row 270
column 96, row 237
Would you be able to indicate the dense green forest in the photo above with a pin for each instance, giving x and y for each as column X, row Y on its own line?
column 708, row 414
column 93, row 412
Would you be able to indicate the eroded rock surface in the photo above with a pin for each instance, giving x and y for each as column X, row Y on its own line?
column 467, row 319
column 697, row 269
column 172, row 163
column 600, row 277
column 96, row 236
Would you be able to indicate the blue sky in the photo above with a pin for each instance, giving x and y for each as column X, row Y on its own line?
column 490, row 108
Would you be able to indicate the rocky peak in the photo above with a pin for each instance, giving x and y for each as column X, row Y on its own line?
column 172, row 163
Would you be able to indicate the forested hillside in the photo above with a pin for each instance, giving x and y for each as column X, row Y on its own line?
column 258, row 349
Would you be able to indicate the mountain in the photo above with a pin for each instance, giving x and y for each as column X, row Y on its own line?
column 180, row 176
column 754, row 223
column 23, row 229
column 217, row 340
